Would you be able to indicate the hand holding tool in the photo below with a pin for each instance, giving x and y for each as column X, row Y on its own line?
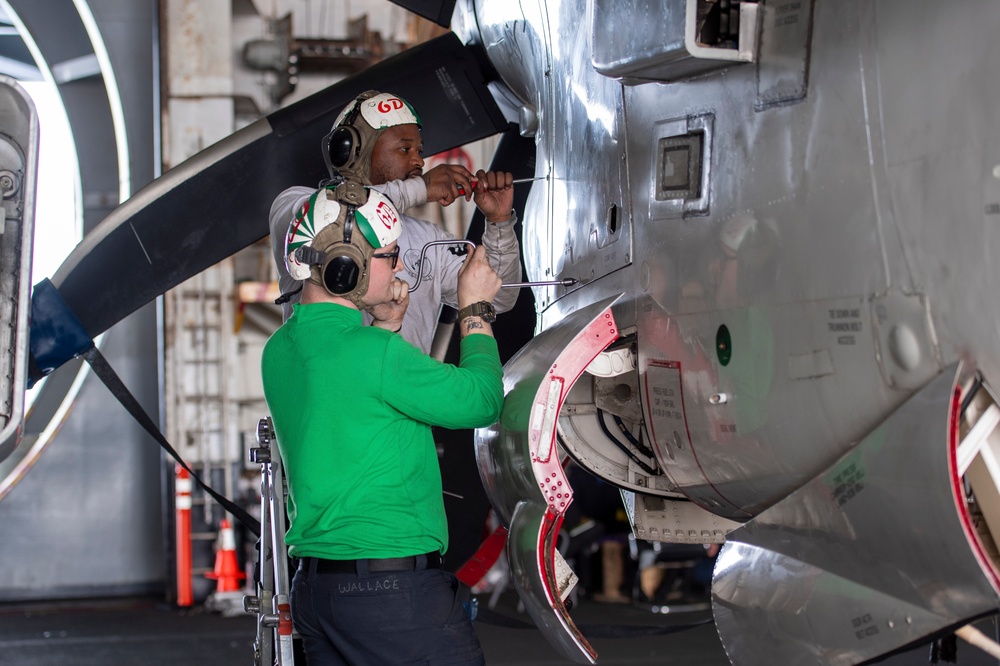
column 516, row 181
column 458, row 249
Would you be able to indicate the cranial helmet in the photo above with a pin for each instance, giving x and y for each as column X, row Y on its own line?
column 348, row 147
column 334, row 235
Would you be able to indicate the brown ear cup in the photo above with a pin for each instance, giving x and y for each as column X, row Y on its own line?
column 350, row 143
column 344, row 272
column 344, row 147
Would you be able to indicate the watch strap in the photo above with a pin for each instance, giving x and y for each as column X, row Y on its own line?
column 480, row 309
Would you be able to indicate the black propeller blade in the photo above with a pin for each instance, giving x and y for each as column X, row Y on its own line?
column 438, row 11
column 217, row 202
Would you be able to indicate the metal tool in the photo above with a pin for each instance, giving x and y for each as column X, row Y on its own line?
column 516, row 181
column 471, row 247
column 567, row 282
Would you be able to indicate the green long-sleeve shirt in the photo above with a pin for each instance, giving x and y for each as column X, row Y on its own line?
column 353, row 407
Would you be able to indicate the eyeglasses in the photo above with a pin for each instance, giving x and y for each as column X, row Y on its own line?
column 394, row 255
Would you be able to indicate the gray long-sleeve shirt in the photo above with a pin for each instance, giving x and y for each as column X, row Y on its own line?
column 439, row 275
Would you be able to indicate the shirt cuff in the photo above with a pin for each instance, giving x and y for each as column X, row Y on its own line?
column 509, row 222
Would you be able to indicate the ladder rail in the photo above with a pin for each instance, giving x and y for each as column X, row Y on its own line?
column 274, row 645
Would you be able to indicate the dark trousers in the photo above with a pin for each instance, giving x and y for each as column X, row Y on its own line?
column 391, row 617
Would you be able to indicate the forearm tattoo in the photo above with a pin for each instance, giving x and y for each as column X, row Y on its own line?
column 471, row 323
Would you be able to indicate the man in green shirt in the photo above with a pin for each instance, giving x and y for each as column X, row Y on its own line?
column 353, row 407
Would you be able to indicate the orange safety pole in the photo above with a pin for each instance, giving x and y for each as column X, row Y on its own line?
column 182, row 505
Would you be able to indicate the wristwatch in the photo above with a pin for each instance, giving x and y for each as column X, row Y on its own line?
column 482, row 309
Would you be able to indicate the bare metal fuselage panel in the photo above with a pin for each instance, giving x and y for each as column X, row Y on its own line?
column 802, row 231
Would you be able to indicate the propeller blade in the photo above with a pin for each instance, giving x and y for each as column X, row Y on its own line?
column 439, row 12
column 217, row 202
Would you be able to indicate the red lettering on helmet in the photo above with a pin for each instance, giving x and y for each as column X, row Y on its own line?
column 391, row 104
column 385, row 214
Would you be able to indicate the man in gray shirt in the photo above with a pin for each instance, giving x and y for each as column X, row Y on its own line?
column 376, row 139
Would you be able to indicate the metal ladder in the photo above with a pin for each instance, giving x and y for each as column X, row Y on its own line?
column 201, row 417
column 274, row 642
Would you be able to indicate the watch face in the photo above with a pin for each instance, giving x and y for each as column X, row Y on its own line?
column 481, row 309
column 486, row 311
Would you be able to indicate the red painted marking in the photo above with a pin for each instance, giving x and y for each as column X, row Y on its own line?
column 958, row 493
column 297, row 222
column 484, row 558
column 590, row 342
column 386, row 215
column 389, row 105
column 551, row 522
column 455, row 155
column 284, row 620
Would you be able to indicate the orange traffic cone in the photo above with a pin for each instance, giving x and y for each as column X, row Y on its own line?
column 227, row 569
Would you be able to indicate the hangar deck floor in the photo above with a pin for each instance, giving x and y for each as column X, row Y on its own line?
column 147, row 632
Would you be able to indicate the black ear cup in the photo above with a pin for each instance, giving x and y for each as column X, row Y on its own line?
column 344, row 147
column 340, row 275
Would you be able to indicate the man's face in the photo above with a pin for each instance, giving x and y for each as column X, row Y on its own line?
column 396, row 155
column 380, row 275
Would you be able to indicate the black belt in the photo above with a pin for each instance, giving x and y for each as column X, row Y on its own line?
column 411, row 563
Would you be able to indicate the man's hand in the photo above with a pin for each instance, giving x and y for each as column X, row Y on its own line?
column 389, row 315
column 495, row 194
column 447, row 182
column 477, row 281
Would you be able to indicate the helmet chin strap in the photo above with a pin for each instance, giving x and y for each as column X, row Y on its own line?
column 355, row 298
